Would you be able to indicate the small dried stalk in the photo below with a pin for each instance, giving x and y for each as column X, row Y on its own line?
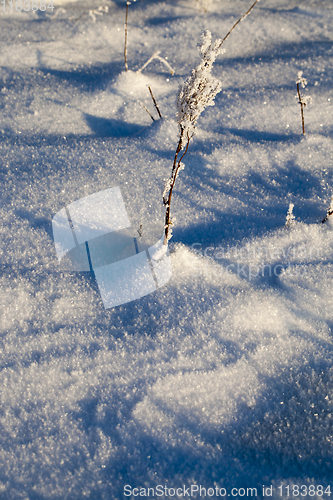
column 329, row 211
column 198, row 92
column 303, row 101
column 168, row 188
column 302, row 105
column 128, row 3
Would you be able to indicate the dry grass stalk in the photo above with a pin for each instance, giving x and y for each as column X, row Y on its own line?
column 198, row 92
column 149, row 113
column 156, row 55
column 126, row 34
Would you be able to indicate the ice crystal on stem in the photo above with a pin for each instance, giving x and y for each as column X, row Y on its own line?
column 301, row 80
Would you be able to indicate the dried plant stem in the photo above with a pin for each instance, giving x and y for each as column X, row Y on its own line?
column 165, row 64
column 154, row 101
column 175, row 169
column 156, row 55
column 149, row 113
column 302, row 106
column 125, row 49
column 239, row 20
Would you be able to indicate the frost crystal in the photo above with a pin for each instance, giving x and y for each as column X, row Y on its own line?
column 199, row 90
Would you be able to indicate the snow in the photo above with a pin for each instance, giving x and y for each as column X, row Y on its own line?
column 223, row 375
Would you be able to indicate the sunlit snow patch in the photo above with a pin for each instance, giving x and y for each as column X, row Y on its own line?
column 95, row 234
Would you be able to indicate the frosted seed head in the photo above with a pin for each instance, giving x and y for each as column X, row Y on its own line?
column 301, row 80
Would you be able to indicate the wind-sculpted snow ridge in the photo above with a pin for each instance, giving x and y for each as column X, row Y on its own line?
column 223, row 377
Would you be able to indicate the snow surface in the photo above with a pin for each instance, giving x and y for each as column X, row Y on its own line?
column 223, row 376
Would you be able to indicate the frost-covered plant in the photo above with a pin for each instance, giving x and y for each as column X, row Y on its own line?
column 198, row 92
column 128, row 3
column 329, row 211
column 290, row 219
column 302, row 100
column 98, row 12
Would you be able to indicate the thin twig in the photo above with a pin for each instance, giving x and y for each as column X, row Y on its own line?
column 302, row 105
column 125, row 49
column 144, row 107
column 239, row 20
column 165, row 62
column 91, row 12
column 155, row 103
